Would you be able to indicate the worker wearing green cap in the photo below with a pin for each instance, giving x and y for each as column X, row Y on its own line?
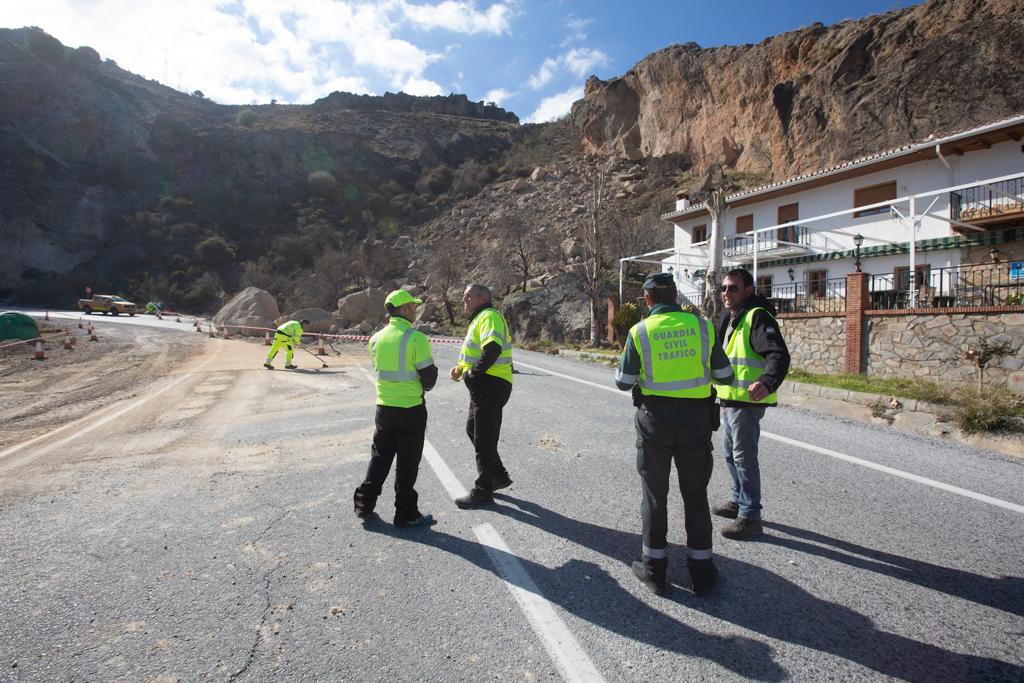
column 404, row 370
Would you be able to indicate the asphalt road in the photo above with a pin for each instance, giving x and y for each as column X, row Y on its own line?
column 205, row 530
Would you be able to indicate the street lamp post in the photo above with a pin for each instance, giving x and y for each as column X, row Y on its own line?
column 858, row 240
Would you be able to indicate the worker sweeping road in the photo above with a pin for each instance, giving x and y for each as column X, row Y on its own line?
column 288, row 335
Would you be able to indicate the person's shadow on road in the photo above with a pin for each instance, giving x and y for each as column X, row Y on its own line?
column 761, row 601
column 587, row 591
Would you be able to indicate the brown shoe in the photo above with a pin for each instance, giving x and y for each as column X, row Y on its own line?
column 730, row 509
column 475, row 499
column 742, row 529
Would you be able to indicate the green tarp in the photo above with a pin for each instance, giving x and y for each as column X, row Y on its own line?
column 17, row 326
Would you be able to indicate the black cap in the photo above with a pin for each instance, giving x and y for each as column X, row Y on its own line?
column 660, row 281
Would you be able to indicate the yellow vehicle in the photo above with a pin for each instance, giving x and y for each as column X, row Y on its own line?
column 107, row 303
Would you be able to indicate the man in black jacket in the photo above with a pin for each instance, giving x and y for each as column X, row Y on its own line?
column 760, row 359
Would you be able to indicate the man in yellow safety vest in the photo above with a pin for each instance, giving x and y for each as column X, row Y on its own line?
column 288, row 335
column 404, row 369
column 485, row 362
column 669, row 362
column 758, row 353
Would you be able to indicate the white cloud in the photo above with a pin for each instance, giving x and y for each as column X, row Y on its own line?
column 498, row 95
column 556, row 106
column 237, row 52
column 577, row 30
column 544, row 74
column 578, row 62
column 581, row 61
column 461, row 17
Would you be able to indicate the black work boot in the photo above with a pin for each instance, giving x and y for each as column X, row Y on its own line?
column 730, row 509
column 475, row 499
column 501, row 482
column 651, row 572
column 703, row 575
column 742, row 529
column 364, row 504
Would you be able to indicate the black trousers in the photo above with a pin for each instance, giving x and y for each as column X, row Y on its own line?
column 676, row 430
column 400, row 431
column 487, row 397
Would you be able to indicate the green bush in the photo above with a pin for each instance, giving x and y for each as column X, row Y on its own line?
column 627, row 316
column 991, row 410
column 436, row 180
column 214, row 252
column 246, row 117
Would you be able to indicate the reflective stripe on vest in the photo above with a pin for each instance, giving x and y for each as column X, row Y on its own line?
column 748, row 366
column 653, row 370
column 473, row 344
column 398, row 382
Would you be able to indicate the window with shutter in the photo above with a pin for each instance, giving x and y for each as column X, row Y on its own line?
column 866, row 196
column 788, row 212
column 744, row 223
column 700, row 234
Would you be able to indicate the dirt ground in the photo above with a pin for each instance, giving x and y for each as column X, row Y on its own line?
column 39, row 396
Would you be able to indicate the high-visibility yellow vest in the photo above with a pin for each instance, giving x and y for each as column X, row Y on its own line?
column 675, row 355
column 747, row 365
column 486, row 327
column 291, row 329
column 397, row 352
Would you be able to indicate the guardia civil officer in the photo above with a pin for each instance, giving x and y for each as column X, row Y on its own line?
column 669, row 361
column 485, row 362
column 404, row 369
column 288, row 335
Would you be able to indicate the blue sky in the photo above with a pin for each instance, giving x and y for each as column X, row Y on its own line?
column 529, row 56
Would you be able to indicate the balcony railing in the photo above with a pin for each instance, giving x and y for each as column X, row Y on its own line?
column 981, row 203
column 789, row 236
column 822, row 296
column 995, row 284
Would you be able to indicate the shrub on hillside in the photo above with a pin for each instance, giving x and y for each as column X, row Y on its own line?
column 436, row 180
column 990, row 410
column 46, row 47
column 85, row 58
column 215, row 253
column 246, row 117
column 627, row 316
column 321, row 182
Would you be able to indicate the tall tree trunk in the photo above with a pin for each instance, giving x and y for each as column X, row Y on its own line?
column 712, row 293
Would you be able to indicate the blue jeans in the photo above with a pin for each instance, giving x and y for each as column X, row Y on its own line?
column 742, row 430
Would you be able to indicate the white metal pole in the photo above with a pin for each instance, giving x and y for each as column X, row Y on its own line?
column 621, row 290
column 913, row 253
column 755, row 260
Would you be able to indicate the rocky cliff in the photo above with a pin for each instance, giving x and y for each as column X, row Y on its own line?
column 817, row 96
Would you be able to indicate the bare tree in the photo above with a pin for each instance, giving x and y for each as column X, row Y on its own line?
column 593, row 232
column 525, row 246
column 713, row 188
column 444, row 273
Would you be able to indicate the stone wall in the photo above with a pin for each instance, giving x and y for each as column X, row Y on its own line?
column 815, row 344
column 932, row 346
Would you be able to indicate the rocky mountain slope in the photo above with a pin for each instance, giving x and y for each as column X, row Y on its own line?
column 817, row 96
column 117, row 182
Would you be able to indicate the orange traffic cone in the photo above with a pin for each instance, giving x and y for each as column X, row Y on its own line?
column 320, row 350
column 266, row 339
column 67, row 340
column 227, row 335
column 46, row 316
column 92, row 333
column 212, row 335
column 80, row 323
column 40, row 354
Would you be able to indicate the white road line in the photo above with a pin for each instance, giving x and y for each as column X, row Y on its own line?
column 559, row 642
column 567, row 654
column 830, row 453
column 897, row 473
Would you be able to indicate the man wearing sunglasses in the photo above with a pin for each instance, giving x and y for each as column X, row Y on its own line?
column 760, row 360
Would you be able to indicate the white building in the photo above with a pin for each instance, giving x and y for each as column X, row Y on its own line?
column 932, row 207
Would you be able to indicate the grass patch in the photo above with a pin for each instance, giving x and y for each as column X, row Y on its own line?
column 918, row 389
column 993, row 409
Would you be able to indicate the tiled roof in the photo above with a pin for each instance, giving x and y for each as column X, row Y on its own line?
column 931, row 141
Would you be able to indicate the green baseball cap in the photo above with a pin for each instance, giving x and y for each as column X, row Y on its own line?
column 400, row 297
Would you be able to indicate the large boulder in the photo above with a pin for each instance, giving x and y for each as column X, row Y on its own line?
column 558, row 311
column 250, row 312
column 320, row 321
column 365, row 305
